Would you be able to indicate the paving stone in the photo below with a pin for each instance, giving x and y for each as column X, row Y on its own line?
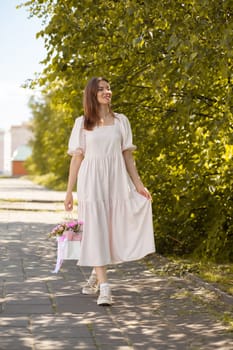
column 35, row 288
column 30, row 309
column 79, row 331
column 116, row 347
column 22, row 299
column 19, row 344
column 53, row 344
column 14, row 332
column 14, row 321
column 80, row 304
column 111, row 341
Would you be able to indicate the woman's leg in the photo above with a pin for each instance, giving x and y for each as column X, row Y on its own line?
column 105, row 297
column 101, row 273
column 98, row 275
column 91, row 286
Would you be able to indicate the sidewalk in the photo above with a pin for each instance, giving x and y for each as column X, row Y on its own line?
column 43, row 311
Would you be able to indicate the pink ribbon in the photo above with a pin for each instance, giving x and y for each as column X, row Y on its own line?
column 70, row 236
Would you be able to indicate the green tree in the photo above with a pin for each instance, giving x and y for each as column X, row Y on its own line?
column 170, row 67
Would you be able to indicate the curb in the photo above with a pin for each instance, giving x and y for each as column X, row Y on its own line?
column 224, row 297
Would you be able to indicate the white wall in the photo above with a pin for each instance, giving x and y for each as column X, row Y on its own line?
column 20, row 135
column 1, row 150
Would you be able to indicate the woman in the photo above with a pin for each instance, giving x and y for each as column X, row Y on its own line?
column 112, row 201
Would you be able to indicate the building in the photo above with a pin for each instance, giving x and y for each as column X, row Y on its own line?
column 20, row 135
column 19, row 157
column 15, row 148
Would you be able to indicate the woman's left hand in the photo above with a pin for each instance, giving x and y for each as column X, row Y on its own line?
column 143, row 191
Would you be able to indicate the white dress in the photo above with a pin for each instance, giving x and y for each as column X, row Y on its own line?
column 117, row 219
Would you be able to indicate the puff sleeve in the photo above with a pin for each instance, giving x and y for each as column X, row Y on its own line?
column 76, row 143
column 127, row 138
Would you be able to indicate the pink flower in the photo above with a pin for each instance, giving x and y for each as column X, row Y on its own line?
column 73, row 226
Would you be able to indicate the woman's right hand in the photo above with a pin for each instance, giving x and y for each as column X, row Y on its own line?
column 68, row 203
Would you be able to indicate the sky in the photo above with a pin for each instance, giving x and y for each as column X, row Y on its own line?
column 20, row 58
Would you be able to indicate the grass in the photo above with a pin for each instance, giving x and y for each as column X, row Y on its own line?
column 49, row 181
column 221, row 275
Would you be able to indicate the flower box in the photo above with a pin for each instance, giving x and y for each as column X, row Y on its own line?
column 69, row 237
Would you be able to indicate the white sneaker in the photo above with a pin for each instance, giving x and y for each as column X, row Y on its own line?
column 105, row 298
column 91, row 287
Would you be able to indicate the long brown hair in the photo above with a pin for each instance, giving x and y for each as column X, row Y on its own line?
column 91, row 104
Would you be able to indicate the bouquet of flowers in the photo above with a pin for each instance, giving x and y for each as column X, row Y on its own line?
column 70, row 230
column 68, row 235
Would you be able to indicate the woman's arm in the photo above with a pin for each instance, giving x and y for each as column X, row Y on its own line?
column 133, row 173
column 75, row 163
